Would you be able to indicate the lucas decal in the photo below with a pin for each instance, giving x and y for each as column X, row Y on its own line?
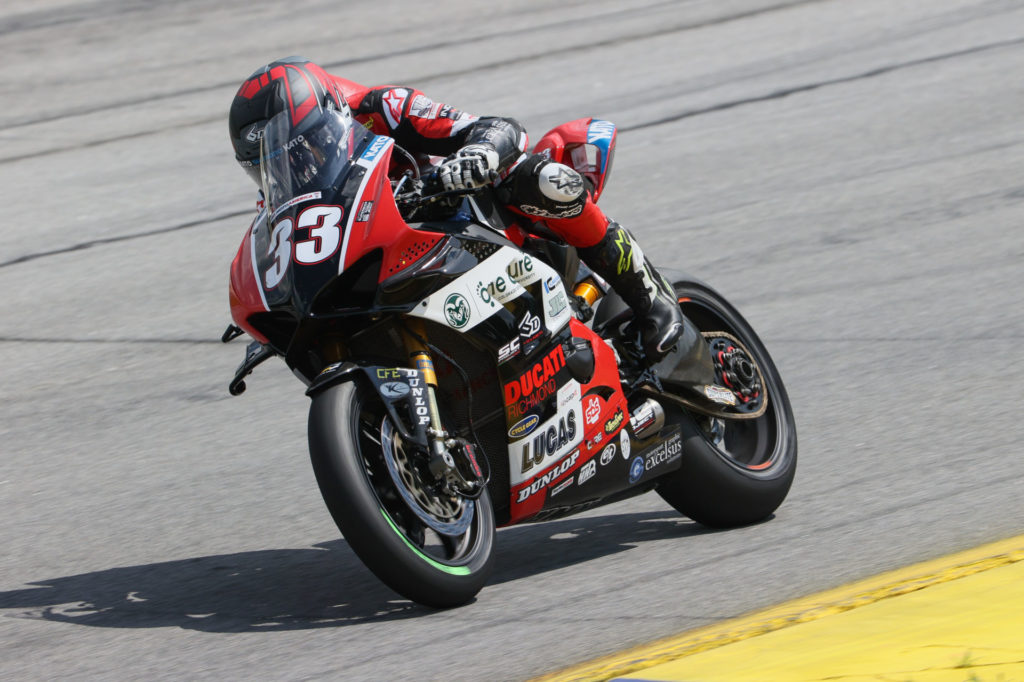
column 545, row 444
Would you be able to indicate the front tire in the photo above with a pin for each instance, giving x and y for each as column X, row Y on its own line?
column 735, row 471
column 348, row 431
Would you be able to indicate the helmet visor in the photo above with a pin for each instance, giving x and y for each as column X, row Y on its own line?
column 295, row 160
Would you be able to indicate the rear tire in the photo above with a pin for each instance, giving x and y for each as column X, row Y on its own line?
column 347, row 433
column 734, row 472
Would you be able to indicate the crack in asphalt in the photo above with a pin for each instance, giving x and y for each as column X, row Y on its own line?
column 108, row 140
column 629, row 38
column 415, row 49
column 122, row 238
column 807, row 87
column 723, row 106
column 141, row 341
column 370, row 58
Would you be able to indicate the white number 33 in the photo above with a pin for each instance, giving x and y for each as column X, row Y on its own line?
column 324, row 225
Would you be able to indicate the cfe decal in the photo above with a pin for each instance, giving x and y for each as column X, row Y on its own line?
column 399, row 382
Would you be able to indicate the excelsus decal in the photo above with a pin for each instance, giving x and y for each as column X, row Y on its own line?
column 484, row 290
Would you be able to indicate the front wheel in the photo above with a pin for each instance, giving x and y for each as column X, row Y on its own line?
column 432, row 548
column 735, row 471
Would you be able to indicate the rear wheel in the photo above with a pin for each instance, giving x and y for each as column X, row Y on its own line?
column 428, row 546
column 735, row 471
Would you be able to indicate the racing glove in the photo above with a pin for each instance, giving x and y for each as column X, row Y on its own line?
column 471, row 166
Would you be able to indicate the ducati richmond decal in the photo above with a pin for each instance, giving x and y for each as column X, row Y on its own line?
column 546, row 479
column 542, row 371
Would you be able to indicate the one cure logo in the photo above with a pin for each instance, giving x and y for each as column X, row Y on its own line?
column 493, row 292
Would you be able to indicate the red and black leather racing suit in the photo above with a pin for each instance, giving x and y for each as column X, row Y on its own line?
column 419, row 124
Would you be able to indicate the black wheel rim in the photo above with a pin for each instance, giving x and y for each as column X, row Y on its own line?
column 755, row 446
column 450, row 540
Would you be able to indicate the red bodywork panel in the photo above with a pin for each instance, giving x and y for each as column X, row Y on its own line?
column 606, row 375
column 385, row 229
column 244, row 291
column 374, row 223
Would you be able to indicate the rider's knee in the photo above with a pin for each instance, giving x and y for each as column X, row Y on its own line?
column 545, row 189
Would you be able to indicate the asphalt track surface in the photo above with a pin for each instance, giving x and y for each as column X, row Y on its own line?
column 848, row 173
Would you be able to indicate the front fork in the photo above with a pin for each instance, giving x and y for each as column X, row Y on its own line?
column 419, row 355
column 468, row 477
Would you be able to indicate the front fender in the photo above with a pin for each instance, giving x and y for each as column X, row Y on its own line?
column 402, row 390
column 332, row 375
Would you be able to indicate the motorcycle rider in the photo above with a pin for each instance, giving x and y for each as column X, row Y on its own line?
column 476, row 149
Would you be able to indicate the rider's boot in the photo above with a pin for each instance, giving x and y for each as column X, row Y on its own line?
column 617, row 258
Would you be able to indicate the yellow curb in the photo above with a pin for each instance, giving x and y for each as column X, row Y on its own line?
column 803, row 610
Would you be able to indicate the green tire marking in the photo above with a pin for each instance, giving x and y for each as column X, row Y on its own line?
column 454, row 570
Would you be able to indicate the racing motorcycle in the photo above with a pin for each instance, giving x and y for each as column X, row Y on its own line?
column 465, row 374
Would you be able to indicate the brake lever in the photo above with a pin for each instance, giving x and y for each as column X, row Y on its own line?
column 255, row 354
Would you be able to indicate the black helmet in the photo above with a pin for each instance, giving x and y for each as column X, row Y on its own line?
column 292, row 84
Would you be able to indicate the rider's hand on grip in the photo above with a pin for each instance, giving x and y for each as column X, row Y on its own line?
column 471, row 166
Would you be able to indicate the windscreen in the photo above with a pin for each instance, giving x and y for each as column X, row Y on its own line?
column 306, row 157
